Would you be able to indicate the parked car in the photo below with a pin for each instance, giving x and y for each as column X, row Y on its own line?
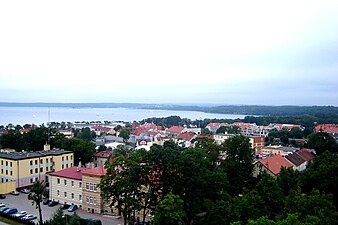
column 3, row 208
column 52, row 203
column 11, row 211
column 25, row 191
column 72, row 208
column 2, row 205
column 65, row 206
column 2, row 196
column 20, row 214
column 14, row 193
column 29, row 217
column 46, row 201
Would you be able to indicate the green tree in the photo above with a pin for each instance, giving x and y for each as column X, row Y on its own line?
column 287, row 180
column 315, row 204
column 296, row 133
column 238, row 164
column 86, row 134
column 38, row 192
column 57, row 218
column 322, row 142
column 124, row 133
column 13, row 139
column 170, row 211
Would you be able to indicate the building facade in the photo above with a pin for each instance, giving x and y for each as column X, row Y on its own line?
column 66, row 186
column 26, row 167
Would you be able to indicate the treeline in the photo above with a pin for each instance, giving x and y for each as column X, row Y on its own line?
column 306, row 121
column 288, row 110
column 195, row 186
column 37, row 137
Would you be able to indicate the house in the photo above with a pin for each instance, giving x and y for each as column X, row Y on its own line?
column 68, row 133
column 301, row 158
column 257, row 143
column 100, row 129
column 100, row 158
column 278, row 150
column 213, row 127
column 271, row 165
column 220, row 138
column 174, row 131
column 66, row 186
column 328, row 128
column 184, row 139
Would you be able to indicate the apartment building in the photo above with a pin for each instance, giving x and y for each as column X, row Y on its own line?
column 92, row 201
column 25, row 167
column 66, row 186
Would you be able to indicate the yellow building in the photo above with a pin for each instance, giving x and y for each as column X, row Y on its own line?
column 26, row 167
column 65, row 186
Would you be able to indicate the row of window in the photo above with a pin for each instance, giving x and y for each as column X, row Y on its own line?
column 91, row 200
column 71, row 182
column 91, row 187
column 65, row 195
column 5, row 169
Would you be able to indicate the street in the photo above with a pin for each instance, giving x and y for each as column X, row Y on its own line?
column 22, row 203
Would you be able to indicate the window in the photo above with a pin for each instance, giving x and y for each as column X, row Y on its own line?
column 58, row 180
column 41, row 169
column 11, row 164
column 87, row 199
column 91, row 200
column 32, row 180
column 58, row 192
column 72, row 183
column 66, row 165
column 95, row 189
column 91, row 186
column 87, row 186
column 40, row 161
column 65, row 181
column 46, row 165
column 72, row 195
column 11, row 173
column 65, row 193
column 80, row 184
column 94, row 200
column 80, row 197
column 36, row 162
column 31, row 163
column 63, row 166
column 66, row 157
column 36, row 170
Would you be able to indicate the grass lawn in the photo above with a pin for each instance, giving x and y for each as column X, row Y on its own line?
column 8, row 221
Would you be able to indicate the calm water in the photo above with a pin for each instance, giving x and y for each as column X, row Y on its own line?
column 39, row 115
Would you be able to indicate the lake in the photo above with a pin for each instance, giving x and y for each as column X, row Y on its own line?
column 39, row 115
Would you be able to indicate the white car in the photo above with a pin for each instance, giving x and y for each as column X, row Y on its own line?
column 29, row 217
column 20, row 214
column 2, row 205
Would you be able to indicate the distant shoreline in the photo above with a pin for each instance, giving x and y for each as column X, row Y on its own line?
column 285, row 110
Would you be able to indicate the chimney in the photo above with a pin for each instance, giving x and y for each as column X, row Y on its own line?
column 46, row 147
column 78, row 168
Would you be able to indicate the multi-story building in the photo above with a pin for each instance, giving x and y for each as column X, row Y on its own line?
column 92, row 201
column 257, row 143
column 25, row 167
column 66, row 186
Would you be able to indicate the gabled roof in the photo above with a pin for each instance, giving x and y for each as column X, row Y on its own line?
column 305, row 154
column 295, row 159
column 187, row 136
column 214, row 124
column 97, row 171
column 176, row 129
column 101, row 128
column 275, row 163
column 70, row 173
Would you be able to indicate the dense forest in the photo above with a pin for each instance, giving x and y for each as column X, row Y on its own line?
column 195, row 186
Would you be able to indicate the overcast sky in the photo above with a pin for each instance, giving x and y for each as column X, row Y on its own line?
column 225, row 52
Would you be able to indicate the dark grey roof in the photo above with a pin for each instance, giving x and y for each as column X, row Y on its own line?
column 28, row 155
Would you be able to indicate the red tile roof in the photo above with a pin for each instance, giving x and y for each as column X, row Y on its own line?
column 97, row 171
column 176, row 129
column 101, row 128
column 214, row 124
column 275, row 163
column 187, row 136
column 70, row 173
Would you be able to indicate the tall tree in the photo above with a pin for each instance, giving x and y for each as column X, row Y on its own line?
column 170, row 211
column 322, row 142
column 238, row 163
column 38, row 192
column 124, row 133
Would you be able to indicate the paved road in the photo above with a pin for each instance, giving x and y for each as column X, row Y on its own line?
column 22, row 203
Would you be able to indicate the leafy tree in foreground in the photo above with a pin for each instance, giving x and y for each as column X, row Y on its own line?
column 38, row 192
column 170, row 211
column 124, row 133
